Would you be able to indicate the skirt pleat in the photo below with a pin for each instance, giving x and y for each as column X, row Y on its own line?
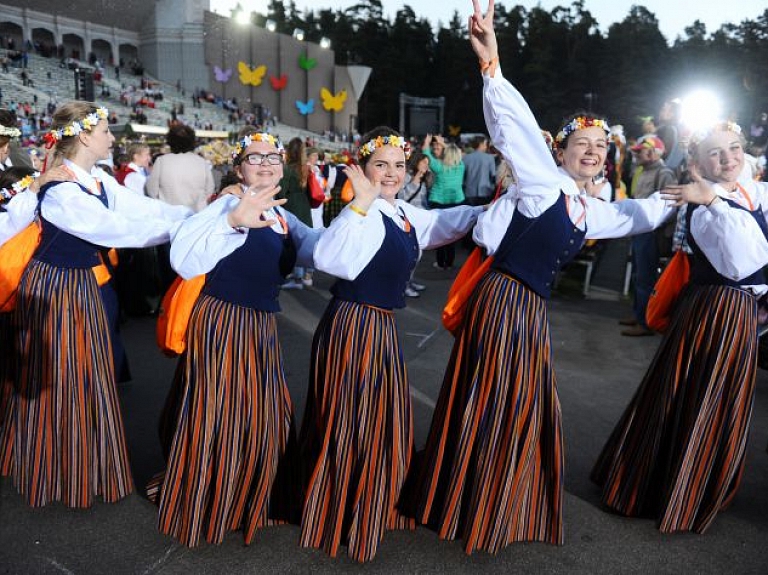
column 677, row 453
column 8, row 365
column 492, row 469
column 233, row 419
column 357, row 433
column 69, row 441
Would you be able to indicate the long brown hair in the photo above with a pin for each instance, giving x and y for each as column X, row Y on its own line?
column 296, row 158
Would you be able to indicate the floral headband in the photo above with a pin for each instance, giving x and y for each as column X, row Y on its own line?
column 77, row 126
column 258, row 137
column 580, row 123
column 10, row 131
column 18, row 187
column 370, row 147
column 701, row 135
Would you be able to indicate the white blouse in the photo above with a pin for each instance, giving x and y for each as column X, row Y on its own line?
column 206, row 238
column 516, row 134
column 131, row 221
column 352, row 240
column 20, row 212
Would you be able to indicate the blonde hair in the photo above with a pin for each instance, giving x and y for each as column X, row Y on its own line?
column 451, row 156
column 62, row 117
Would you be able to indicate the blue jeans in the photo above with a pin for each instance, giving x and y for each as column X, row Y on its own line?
column 645, row 259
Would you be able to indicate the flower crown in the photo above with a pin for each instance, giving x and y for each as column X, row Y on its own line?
column 370, row 146
column 246, row 141
column 18, row 187
column 10, row 131
column 701, row 135
column 77, row 126
column 579, row 123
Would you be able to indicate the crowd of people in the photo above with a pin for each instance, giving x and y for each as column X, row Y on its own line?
column 491, row 473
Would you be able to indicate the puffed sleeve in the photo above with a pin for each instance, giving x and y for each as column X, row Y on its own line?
column 83, row 215
column 730, row 239
column 493, row 223
column 349, row 243
column 627, row 217
column 20, row 212
column 435, row 228
column 133, row 206
column 205, row 238
column 516, row 134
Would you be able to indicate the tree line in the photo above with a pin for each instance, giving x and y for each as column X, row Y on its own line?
column 558, row 59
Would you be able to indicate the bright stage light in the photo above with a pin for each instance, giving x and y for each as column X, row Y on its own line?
column 701, row 109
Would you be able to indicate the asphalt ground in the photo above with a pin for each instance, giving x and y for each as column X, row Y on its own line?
column 597, row 370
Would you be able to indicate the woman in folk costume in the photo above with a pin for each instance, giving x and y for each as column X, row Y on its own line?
column 493, row 466
column 69, row 442
column 356, row 436
column 228, row 415
column 677, row 453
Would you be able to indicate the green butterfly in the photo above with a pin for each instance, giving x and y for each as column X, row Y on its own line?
column 306, row 63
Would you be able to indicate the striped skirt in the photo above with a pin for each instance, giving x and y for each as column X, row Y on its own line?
column 492, row 469
column 677, row 453
column 233, row 419
column 8, row 362
column 357, row 433
column 69, row 441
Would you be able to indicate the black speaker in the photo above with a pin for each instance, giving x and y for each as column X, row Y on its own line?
column 84, row 85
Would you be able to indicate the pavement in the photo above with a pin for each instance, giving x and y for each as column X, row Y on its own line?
column 597, row 371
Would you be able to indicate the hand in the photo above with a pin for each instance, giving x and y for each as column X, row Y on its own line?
column 232, row 189
column 427, row 142
column 593, row 189
column 365, row 190
column 249, row 212
column 58, row 174
column 697, row 192
column 481, row 33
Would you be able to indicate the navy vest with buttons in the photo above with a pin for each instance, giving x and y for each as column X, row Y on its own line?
column 534, row 249
column 382, row 282
column 61, row 249
column 702, row 272
column 250, row 276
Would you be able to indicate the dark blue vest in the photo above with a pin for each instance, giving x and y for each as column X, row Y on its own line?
column 382, row 282
column 61, row 249
column 251, row 275
column 702, row 272
column 534, row 249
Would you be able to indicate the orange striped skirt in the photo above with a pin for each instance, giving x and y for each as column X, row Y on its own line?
column 357, row 432
column 69, row 441
column 677, row 453
column 232, row 422
column 8, row 362
column 492, row 469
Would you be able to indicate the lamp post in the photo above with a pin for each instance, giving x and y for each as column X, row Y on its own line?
column 245, row 19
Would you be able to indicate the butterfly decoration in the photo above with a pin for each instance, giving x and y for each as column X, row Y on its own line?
column 222, row 75
column 307, row 63
column 333, row 102
column 251, row 77
column 278, row 83
column 306, row 107
column 454, row 131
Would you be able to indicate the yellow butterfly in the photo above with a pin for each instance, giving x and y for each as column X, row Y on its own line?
column 331, row 102
column 251, row 77
column 454, row 131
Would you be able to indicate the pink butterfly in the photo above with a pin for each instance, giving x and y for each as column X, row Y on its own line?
column 222, row 75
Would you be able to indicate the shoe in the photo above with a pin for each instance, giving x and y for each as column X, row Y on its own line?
column 292, row 284
column 637, row 331
column 628, row 321
column 410, row 292
column 307, row 281
column 438, row 266
column 417, row 286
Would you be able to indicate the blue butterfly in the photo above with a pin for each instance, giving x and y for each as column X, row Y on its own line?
column 306, row 108
column 222, row 75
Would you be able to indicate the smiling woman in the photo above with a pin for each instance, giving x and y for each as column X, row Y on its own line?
column 356, row 436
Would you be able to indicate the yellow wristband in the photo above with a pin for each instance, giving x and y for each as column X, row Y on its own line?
column 358, row 211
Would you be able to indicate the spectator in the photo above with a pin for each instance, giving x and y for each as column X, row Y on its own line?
column 479, row 173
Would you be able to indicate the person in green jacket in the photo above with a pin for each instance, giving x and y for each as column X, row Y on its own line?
column 447, row 189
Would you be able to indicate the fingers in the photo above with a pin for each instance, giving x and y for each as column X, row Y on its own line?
column 693, row 172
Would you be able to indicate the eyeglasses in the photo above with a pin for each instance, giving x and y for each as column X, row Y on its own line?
column 258, row 159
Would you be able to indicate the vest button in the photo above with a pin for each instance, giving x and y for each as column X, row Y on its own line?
column 566, row 252
column 571, row 242
column 554, row 271
column 557, row 261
